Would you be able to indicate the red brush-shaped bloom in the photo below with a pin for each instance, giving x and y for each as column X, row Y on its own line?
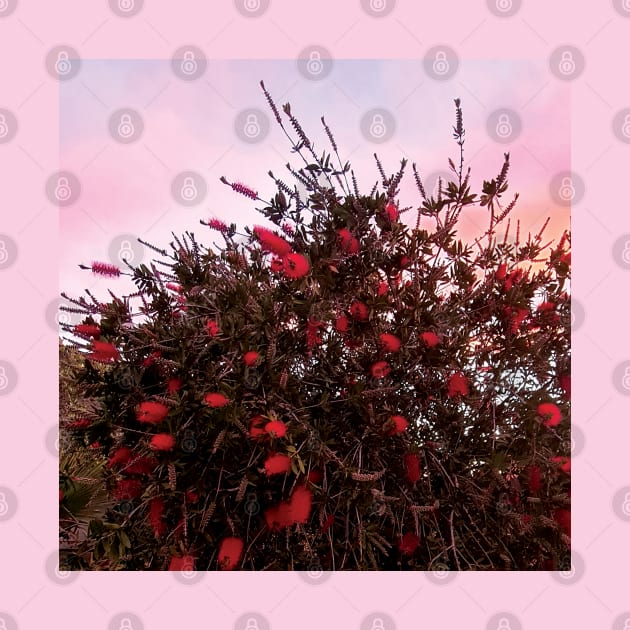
column 276, row 264
column 295, row 266
column 562, row 516
column 230, row 552
column 412, row 467
column 128, row 489
column 251, row 358
column 565, row 384
column 103, row 351
column 151, row 412
column 192, row 496
column 390, row 343
column 396, row 425
column 312, row 332
column 564, row 463
column 501, row 272
column 81, row 423
column 391, row 212
column 156, row 510
column 105, row 269
column 408, row 543
column 278, row 516
column 141, row 466
column 162, row 442
column 120, row 456
column 534, row 479
column 185, row 563
column 550, row 413
column 271, row 242
column 277, row 464
column 276, row 428
column 150, row 360
column 174, row 385
column 359, row 311
column 300, row 504
column 257, row 427
column 212, row 327
column 244, row 190
column 430, row 339
column 214, row 399
column 380, row 369
column 545, row 307
column 382, row 289
column 457, row 385
column 218, row 225
column 349, row 243
column 342, row 324
column 173, row 287
column 315, row 476
column 88, row 330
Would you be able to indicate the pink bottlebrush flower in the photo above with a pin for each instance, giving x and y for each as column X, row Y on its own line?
column 151, row 412
column 272, row 242
column 244, row 190
column 380, row 369
column 215, row 399
column 550, row 413
column 295, row 266
column 230, row 552
column 173, row 287
column 359, row 311
column 276, row 428
column 105, row 269
column 218, row 225
column 162, row 442
column 88, row 330
column 251, row 358
column 457, row 385
column 390, row 342
column 430, row 339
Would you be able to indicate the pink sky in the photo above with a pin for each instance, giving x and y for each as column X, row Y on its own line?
column 189, row 126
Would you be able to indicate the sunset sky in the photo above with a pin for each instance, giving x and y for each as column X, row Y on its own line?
column 126, row 188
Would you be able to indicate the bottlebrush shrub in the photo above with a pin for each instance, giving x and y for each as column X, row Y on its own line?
column 341, row 388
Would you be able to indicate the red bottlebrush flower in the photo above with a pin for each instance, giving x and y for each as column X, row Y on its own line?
column 271, row 242
column 380, row 369
column 359, row 311
column 95, row 445
column 390, row 343
column 162, row 442
column 251, row 358
column 300, row 504
column 173, row 287
column 120, row 456
column 398, row 424
column 128, row 489
column 430, row 339
column 409, row 543
column 278, row 516
column 501, row 272
column 257, row 427
column 565, row 384
column 230, row 552
column 327, row 524
column 550, row 413
column 150, row 360
column 295, row 266
column 277, row 463
column 174, row 385
column 213, row 328
column 141, row 466
column 412, row 467
column 151, row 412
column 545, row 306
column 391, row 211
column 566, row 258
column 276, row 264
column 156, row 510
column 382, row 289
column 349, row 244
column 315, row 476
column 276, row 428
column 82, row 423
column 513, row 278
column 534, row 479
column 104, row 351
column 185, row 563
column 457, row 385
column 564, row 463
column 244, row 190
column 88, row 330
column 342, row 324
column 218, row 225
column 192, row 496
column 312, row 332
column 105, row 269
column 215, row 399
column 562, row 516
column 403, row 263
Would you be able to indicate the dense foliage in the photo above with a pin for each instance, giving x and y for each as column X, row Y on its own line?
column 342, row 389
